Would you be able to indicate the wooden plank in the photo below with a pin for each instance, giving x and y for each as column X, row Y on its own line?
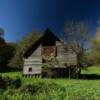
column 35, row 69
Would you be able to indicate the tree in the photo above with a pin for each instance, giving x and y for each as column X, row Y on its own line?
column 17, row 61
column 1, row 32
column 6, row 52
column 2, row 41
column 76, row 34
column 94, row 54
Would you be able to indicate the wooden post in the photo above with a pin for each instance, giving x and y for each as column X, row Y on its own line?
column 69, row 72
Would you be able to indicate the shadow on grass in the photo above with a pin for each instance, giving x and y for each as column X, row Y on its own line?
column 90, row 76
column 10, row 70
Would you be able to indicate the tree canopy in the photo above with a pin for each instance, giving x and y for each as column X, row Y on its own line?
column 6, row 52
column 94, row 54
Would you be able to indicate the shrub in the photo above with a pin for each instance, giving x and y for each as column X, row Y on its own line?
column 15, row 83
column 2, row 83
column 6, row 82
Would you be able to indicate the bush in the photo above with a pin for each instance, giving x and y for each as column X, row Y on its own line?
column 16, row 83
column 6, row 82
column 2, row 83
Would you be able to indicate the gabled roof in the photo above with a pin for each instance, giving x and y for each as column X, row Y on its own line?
column 47, row 35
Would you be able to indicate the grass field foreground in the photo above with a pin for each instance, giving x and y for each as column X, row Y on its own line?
column 55, row 89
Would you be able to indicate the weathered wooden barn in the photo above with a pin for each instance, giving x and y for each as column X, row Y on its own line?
column 48, row 55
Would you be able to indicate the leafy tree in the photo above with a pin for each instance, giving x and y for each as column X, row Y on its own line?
column 6, row 52
column 94, row 54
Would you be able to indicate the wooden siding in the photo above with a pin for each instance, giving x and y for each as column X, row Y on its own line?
column 66, row 57
column 61, row 54
column 34, row 61
column 71, row 58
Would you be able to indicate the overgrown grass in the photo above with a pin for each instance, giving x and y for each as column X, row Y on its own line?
column 92, row 70
column 49, row 89
column 54, row 89
column 12, row 74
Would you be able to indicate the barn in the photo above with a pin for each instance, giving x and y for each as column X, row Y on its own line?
column 48, row 57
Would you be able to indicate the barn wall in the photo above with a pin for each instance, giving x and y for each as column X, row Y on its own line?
column 33, row 62
column 69, row 57
column 61, row 54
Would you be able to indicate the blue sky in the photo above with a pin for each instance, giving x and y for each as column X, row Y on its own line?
column 18, row 17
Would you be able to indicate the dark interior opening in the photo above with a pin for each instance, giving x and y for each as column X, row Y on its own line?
column 48, row 42
column 30, row 69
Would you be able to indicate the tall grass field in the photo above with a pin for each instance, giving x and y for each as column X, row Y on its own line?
column 54, row 89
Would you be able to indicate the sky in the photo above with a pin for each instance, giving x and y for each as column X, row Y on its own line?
column 19, row 17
